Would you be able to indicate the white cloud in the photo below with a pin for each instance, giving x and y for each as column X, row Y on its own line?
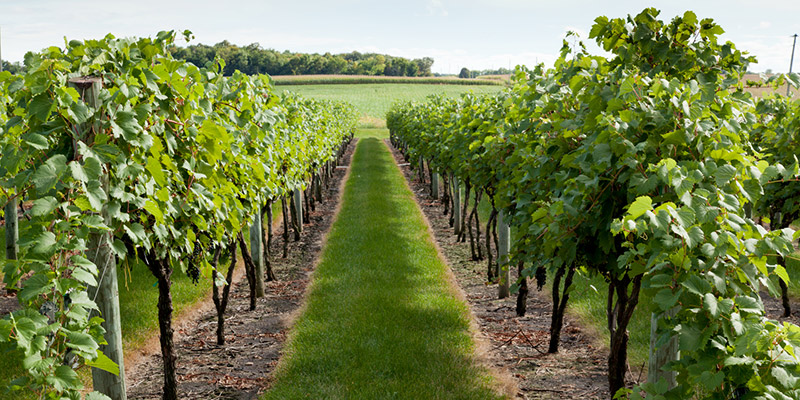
column 435, row 8
column 773, row 54
column 764, row 24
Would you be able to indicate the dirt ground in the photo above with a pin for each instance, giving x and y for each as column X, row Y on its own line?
column 254, row 339
column 518, row 345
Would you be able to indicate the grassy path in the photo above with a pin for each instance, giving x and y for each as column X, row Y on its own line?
column 381, row 319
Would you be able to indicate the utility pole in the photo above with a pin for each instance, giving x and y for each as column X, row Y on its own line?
column 788, row 85
column 1, row 49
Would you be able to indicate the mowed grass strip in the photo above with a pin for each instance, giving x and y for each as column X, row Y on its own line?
column 381, row 320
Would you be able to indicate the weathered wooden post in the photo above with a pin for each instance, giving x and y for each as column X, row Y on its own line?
column 435, row 186
column 106, row 293
column 456, row 205
column 298, row 208
column 660, row 356
column 12, row 228
column 503, row 248
column 256, row 253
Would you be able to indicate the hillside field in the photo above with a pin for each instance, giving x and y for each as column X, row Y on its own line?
column 373, row 100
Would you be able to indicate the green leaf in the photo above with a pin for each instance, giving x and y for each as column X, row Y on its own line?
column 781, row 272
column 695, row 237
column 77, row 172
column 36, row 141
column 96, row 195
column 104, row 363
column 690, row 338
column 126, row 125
column 642, row 205
column 696, row 285
column 724, row 174
column 156, row 171
column 92, row 168
column 151, row 207
column 84, row 276
column 45, row 243
column 743, row 360
column 48, row 174
column 82, row 342
column 97, row 396
column 749, row 305
column 135, row 231
column 34, row 286
column 710, row 304
column 783, row 377
column 40, row 107
column 666, row 299
column 64, row 379
column 44, row 206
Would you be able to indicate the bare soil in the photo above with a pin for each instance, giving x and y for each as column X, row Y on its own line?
column 518, row 345
column 241, row 369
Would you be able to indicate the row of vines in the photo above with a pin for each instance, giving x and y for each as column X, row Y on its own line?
column 118, row 150
column 653, row 168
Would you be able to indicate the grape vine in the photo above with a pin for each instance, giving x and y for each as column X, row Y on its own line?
column 177, row 158
column 642, row 168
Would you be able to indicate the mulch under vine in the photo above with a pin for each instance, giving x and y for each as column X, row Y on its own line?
column 241, row 369
column 518, row 345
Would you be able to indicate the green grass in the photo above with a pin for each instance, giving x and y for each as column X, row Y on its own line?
column 361, row 79
column 373, row 100
column 381, row 321
column 378, row 133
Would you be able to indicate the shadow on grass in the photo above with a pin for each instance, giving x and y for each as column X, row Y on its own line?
column 381, row 321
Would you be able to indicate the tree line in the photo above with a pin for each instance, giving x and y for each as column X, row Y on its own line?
column 253, row 59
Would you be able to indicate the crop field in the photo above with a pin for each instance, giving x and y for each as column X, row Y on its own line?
column 373, row 100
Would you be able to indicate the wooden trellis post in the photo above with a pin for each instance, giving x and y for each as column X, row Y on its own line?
column 504, row 247
column 456, row 205
column 298, row 208
column 256, row 252
column 12, row 228
column 106, row 294
column 435, row 186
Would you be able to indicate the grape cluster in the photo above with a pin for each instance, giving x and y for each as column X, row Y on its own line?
column 541, row 277
column 194, row 272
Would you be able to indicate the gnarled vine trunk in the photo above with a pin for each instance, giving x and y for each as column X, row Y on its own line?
column 285, row 214
column 161, row 269
column 266, row 232
column 560, row 299
column 619, row 315
column 522, row 295
column 491, row 266
column 249, row 268
column 221, row 300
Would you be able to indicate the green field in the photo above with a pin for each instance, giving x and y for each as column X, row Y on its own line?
column 373, row 100
column 360, row 79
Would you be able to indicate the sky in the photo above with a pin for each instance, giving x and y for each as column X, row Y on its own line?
column 476, row 34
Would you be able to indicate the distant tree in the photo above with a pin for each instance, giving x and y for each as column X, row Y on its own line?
column 14, row 68
column 424, row 65
column 253, row 59
column 464, row 73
